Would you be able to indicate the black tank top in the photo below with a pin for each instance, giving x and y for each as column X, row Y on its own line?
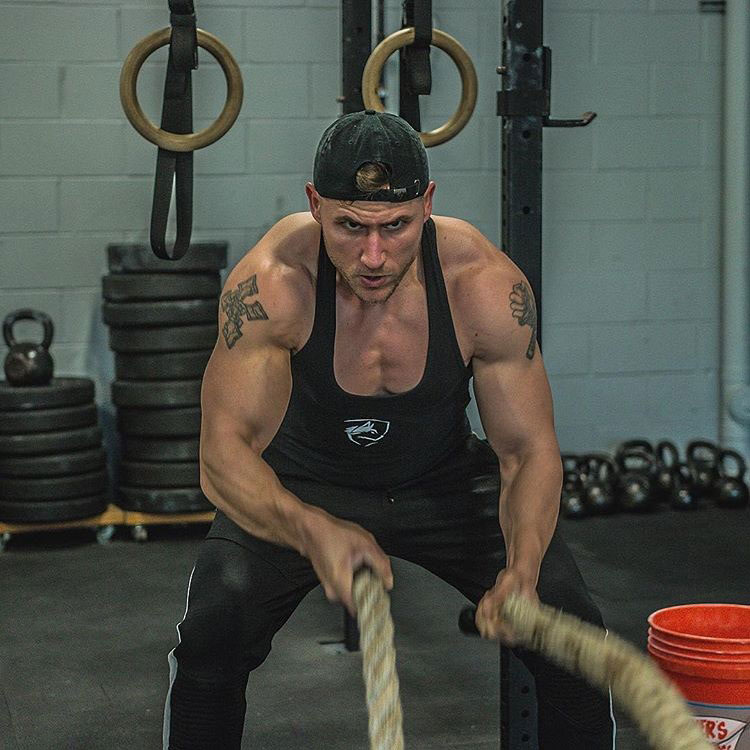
column 373, row 441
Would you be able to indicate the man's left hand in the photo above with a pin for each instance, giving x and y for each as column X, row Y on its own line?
column 488, row 618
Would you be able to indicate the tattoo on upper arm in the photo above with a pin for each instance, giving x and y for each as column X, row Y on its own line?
column 524, row 311
column 234, row 306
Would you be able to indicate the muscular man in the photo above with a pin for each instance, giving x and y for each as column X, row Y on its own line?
column 334, row 433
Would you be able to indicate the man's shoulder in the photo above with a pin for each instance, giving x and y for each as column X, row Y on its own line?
column 278, row 274
column 285, row 256
column 292, row 241
column 481, row 281
column 470, row 261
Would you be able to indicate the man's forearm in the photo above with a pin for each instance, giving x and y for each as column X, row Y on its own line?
column 245, row 488
column 529, row 507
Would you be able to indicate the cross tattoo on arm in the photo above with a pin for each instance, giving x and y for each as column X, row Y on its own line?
column 524, row 311
column 235, row 307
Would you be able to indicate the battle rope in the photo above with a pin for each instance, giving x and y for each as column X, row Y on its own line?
column 606, row 661
column 378, row 661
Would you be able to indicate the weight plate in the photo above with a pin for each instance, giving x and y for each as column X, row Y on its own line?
column 171, row 312
column 59, row 392
column 162, row 365
column 160, row 422
column 51, row 512
column 148, row 474
column 47, row 420
column 53, row 488
column 163, row 339
column 159, row 393
column 61, row 464
column 47, row 443
column 157, row 500
column 135, row 258
column 122, row 287
column 160, row 449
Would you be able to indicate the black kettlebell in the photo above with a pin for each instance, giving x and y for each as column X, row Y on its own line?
column 571, row 496
column 731, row 491
column 642, row 444
column 28, row 363
column 682, row 495
column 703, row 460
column 635, row 488
column 597, row 472
column 667, row 460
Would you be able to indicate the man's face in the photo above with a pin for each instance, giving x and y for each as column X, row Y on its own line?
column 371, row 244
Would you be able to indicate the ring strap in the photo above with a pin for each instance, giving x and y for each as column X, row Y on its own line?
column 415, row 74
column 172, row 167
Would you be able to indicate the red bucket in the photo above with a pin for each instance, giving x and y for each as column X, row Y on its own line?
column 705, row 626
column 704, row 649
column 685, row 653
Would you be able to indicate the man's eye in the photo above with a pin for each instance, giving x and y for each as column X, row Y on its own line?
column 352, row 225
column 395, row 224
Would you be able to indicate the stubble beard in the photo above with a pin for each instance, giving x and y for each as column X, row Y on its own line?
column 391, row 289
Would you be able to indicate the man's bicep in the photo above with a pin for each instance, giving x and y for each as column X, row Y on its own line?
column 245, row 392
column 248, row 381
column 510, row 384
column 515, row 404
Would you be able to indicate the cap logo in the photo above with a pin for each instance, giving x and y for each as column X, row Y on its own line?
column 394, row 195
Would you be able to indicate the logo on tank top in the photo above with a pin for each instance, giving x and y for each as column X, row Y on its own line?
column 366, row 432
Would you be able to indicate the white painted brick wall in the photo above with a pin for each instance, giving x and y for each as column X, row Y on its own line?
column 49, row 33
column 631, row 203
column 310, row 35
column 631, row 282
column 29, row 90
column 29, row 204
column 83, row 148
column 622, row 38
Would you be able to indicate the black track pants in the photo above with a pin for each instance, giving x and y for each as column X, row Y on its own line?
column 243, row 590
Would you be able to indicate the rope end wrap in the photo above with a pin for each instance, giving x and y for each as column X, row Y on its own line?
column 378, row 661
column 608, row 662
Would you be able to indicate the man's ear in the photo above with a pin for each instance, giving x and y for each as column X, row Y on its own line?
column 427, row 200
column 313, row 198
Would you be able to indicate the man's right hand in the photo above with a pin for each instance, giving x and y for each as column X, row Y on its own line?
column 336, row 549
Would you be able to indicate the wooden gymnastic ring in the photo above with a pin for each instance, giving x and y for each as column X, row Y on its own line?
column 163, row 138
column 404, row 37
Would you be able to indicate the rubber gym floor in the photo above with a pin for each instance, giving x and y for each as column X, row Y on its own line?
column 85, row 630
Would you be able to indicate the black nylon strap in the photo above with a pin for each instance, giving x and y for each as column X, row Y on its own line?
column 183, row 43
column 414, row 61
column 184, row 7
column 174, row 167
column 422, row 40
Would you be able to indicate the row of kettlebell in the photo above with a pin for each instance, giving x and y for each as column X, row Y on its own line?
column 640, row 476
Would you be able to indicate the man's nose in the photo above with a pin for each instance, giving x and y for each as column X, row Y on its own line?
column 373, row 253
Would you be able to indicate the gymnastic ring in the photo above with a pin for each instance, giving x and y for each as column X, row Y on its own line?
column 180, row 141
column 403, row 38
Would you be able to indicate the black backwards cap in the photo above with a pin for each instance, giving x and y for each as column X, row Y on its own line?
column 370, row 136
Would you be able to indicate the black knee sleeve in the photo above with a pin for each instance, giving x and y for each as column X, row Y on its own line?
column 218, row 643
